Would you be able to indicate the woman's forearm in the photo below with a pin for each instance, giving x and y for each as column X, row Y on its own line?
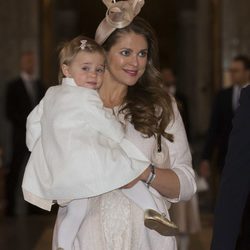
column 166, row 182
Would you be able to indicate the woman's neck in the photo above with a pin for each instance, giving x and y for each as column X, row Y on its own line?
column 112, row 93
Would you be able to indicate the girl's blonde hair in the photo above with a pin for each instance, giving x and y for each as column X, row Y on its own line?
column 70, row 49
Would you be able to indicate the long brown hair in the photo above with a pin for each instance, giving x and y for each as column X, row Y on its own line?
column 147, row 104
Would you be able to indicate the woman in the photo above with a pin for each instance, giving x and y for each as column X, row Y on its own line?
column 132, row 88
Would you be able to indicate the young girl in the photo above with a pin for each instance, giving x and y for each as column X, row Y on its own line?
column 78, row 147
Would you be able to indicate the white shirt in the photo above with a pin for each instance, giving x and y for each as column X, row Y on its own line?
column 236, row 95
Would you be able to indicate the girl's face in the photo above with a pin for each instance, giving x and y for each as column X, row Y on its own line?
column 127, row 58
column 86, row 69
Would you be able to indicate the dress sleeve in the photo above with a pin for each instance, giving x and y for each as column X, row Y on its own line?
column 33, row 126
column 180, row 157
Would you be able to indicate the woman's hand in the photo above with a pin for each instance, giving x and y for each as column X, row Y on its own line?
column 169, row 188
column 166, row 182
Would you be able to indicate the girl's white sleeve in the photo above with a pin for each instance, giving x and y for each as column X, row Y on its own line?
column 33, row 126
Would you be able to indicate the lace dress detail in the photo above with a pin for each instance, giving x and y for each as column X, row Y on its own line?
column 116, row 226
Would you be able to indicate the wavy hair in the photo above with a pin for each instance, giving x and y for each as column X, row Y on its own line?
column 147, row 104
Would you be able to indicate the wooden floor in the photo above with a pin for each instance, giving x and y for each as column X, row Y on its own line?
column 202, row 240
column 35, row 233
column 24, row 232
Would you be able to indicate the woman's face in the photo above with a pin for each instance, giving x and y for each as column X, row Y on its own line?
column 127, row 58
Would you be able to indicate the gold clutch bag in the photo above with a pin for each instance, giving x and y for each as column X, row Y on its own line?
column 158, row 222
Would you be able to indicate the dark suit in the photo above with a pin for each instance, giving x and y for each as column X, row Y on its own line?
column 235, row 183
column 220, row 127
column 18, row 106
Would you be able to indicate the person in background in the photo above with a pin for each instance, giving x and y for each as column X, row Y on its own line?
column 23, row 94
column 225, row 105
column 232, row 212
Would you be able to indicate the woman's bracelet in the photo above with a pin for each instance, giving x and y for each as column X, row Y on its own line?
column 151, row 176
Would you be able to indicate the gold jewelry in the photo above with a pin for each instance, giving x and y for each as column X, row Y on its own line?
column 158, row 222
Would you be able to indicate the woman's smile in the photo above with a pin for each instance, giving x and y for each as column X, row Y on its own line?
column 131, row 72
